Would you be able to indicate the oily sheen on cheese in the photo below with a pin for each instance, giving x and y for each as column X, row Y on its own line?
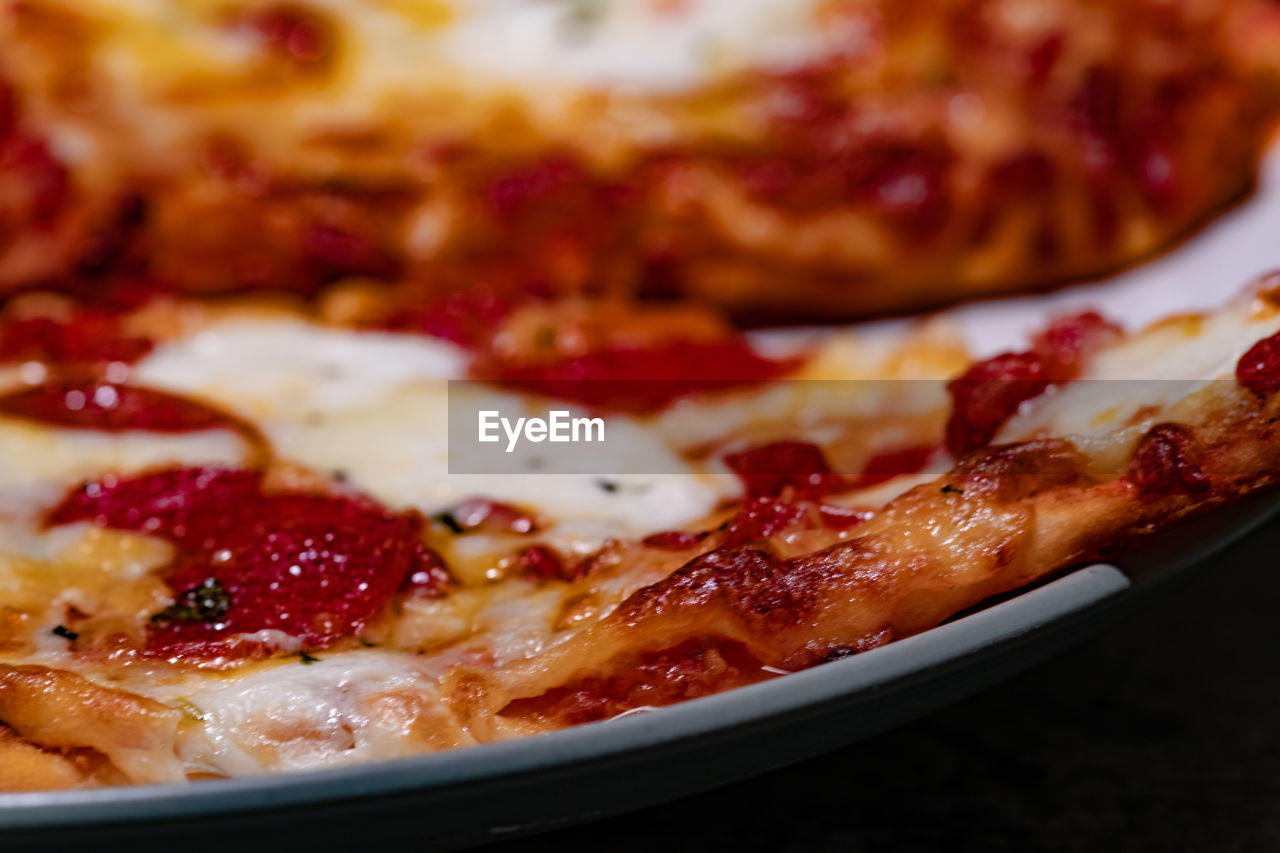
column 621, row 599
column 375, row 407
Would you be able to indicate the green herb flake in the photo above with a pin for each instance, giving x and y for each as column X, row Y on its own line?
column 208, row 602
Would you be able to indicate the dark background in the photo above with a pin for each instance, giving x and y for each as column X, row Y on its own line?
column 1161, row 734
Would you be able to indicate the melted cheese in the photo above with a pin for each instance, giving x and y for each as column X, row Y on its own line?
column 340, row 709
column 374, row 408
column 647, row 44
column 39, row 464
column 635, row 43
column 1140, row 380
column 281, row 368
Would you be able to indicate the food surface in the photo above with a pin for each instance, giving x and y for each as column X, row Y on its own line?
column 266, row 268
column 217, row 564
column 779, row 159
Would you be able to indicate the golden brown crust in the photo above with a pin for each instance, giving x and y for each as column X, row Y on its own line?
column 1004, row 517
column 26, row 767
column 60, row 710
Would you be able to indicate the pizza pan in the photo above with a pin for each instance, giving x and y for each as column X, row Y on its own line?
column 468, row 796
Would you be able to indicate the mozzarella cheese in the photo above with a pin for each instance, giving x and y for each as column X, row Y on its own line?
column 374, row 409
column 1142, row 380
column 39, row 464
column 339, row 709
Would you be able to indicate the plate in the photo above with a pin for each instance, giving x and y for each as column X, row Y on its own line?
column 457, row 798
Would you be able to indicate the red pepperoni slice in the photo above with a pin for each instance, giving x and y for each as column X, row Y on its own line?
column 760, row 518
column 91, row 335
column 675, row 540
column 1259, row 368
column 643, row 380
column 315, row 568
column 770, row 469
column 112, row 407
column 291, row 33
column 466, row 318
column 894, row 463
column 989, row 392
column 543, row 563
column 1068, row 341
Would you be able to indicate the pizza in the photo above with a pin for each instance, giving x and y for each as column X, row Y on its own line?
column 780, row 159
column 232, row 540
column 294, row 297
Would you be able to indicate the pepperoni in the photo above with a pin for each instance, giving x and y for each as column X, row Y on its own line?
column 338, row 252
column 317, row 568
column 1069, row 341
column 907, row 185
column 990, row 392
column 550, row 179
column 1041, row 59
column 544, row 563
column 894, row 463
column 1259, row 368
column 642, row 380
column 819, row 161
column 8, row 109
column 675, row 540
column 769, row 470
column 111, row 407
column 801, row 469
column 291, row 33
column 107, row 244
column 784, row 482
column 1166, row 462
column 761, row 518
column 466, row 318
column 38, row 186
column 90, row 335
column 987, row 394
column 1022, row 173
column 431, row 578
